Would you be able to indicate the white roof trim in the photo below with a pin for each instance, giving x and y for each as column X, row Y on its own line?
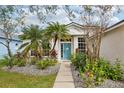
column 114, row 27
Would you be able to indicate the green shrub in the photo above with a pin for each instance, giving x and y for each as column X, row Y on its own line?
column 42, row 64
column 116, row 73
column 78, row 60
column 103, row 68
column 88, row 78
column 95, row 72
column 33, row 60
column 3, row 62
column 6, row 61
column 52, row 62
column 21, row 63
column 15, row 61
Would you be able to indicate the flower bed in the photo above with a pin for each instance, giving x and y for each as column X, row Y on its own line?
column 89, row 72
column 78, row 81
column 33, row 70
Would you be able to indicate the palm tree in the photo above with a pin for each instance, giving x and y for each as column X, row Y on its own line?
column 33, row 41
column 56, row 31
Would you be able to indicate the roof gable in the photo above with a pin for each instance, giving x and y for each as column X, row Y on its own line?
column 75, row 29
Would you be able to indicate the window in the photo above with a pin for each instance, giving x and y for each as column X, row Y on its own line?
column 33, row 53
column 46, row 48
column 45, row 52
column 81, row 44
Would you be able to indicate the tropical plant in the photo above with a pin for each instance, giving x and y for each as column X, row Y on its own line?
column 19, row 61
column 33, row 60
column 95, row 72
column 33, row 42
column 56, row 31
column 78, row 60
column 5, row 61
column 9, row 61
column 42, row 64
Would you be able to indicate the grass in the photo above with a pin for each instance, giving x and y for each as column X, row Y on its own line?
column 16, row 80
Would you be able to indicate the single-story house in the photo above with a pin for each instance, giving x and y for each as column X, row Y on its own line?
column 15, row 43
column 111, row 45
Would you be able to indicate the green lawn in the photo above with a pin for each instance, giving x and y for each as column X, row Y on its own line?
column 15, row 80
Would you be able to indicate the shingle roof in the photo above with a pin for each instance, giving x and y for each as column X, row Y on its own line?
column 80, row 25
column 116, row 24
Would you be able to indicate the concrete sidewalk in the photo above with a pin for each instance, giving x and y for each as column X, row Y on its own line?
column 64, row 78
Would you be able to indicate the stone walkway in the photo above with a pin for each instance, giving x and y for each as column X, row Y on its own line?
column 64, row 78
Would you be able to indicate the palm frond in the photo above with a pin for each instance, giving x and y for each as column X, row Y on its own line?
column 26, row 50
column 23, row 45
column 35, row 36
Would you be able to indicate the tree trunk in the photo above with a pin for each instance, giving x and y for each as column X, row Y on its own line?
column 89, row 53
column 98, row 47
column 9, row 52
column 10, row 55
column 54, row 43
column 8, row 49
column 52, row 51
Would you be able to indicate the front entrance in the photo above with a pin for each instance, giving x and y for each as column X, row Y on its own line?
column 65, row 51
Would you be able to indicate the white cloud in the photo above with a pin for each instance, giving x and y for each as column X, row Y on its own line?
column 32, row 19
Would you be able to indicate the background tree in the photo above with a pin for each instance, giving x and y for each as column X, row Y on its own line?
column 10, row 18
column 42, row 12
column 96, row 19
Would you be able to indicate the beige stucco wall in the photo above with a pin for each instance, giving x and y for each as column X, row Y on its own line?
column 112, row 45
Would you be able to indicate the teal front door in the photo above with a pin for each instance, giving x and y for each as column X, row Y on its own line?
column 65, row 51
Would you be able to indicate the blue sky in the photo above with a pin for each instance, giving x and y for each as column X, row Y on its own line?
column 62, row 17
column 120, row 16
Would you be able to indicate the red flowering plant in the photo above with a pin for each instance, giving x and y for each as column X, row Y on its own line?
column 53, row 54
